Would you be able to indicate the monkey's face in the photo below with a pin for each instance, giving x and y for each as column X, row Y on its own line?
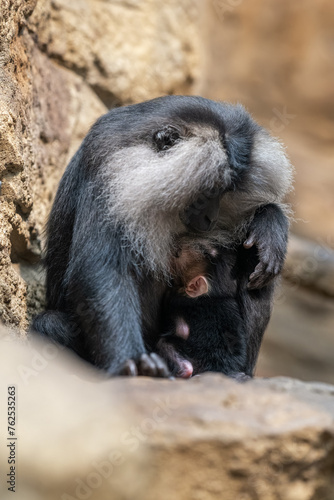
column 166, row 171
column 203, row 213
column 180, row 154
column 182, row 164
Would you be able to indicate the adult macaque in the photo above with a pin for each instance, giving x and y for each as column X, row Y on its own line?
column 146, row 177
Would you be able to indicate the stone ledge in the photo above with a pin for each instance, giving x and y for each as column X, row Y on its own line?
column 81, row 435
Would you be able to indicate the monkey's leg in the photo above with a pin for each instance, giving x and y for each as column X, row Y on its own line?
column 57, row 326
column 107, row 308
column 177, row 364
column 101, row 292
column 260, row 261
column 257, row 308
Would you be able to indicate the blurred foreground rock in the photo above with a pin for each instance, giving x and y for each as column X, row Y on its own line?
column 82, row 436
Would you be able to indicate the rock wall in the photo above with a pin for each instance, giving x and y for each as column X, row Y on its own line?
column 62, row 65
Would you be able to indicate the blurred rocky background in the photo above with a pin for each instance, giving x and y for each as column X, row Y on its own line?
column 62, row 64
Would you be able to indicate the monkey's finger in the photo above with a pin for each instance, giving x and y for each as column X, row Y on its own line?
column 261, row 280
column 161, row 367
column 255, row 285
column 186, row 369
column 258, row 271
column 146, row 366
column 129, row 369
column 251, row 240
column 278, row 268
column 260, row 277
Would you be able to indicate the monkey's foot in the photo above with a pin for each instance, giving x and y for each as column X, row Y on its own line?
column 178, row 365
column 149, row 365
column 185, row 369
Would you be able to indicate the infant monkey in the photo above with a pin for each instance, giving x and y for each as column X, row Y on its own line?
column 191, row 270
column 204, row 325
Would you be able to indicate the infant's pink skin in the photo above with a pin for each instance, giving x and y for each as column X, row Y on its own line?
column 182, row 329
column 186, row 369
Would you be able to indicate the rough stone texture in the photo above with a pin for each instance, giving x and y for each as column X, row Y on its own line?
column 61, row 65
column 80, row 436
column 126, row 50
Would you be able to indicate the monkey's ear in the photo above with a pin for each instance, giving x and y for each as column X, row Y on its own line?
column 197, row 286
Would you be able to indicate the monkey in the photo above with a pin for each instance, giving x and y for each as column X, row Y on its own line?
column 147, row 175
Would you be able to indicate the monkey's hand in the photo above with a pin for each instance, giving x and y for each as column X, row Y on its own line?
column 178, row 365
column 268, row 231
column 149, row 365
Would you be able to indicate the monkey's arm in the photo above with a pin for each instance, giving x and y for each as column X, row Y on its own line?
column 106, row 307
column 268, row 231
column 101, row 292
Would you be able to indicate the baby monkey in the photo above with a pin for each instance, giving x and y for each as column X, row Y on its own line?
column 204, row 325
column 201, row 324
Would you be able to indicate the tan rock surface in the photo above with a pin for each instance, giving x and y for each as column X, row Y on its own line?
column 36, row 103
column 80, row 436
column 126, row 50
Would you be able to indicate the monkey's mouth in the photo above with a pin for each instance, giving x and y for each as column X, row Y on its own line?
column 202, row 215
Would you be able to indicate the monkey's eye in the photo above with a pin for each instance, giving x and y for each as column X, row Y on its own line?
column 166, row 138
